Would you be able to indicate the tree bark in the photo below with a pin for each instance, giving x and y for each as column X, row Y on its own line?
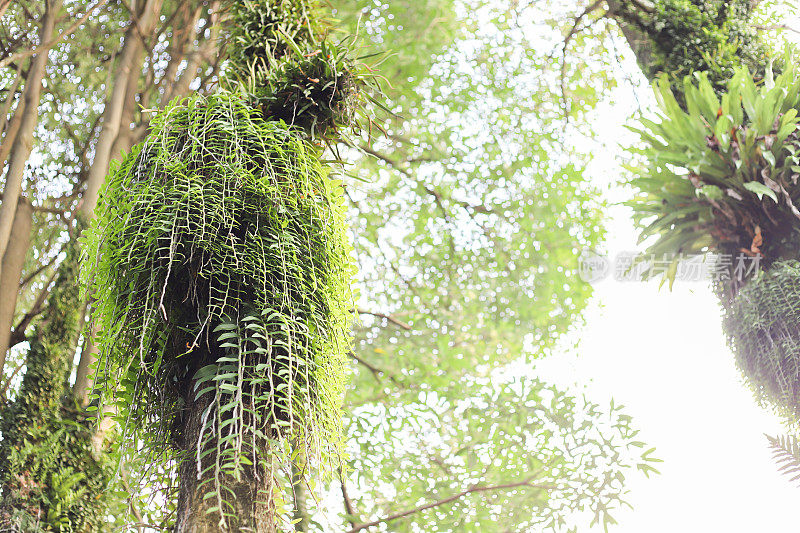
column 637, row 40
column 11, row 271
column 23, row 141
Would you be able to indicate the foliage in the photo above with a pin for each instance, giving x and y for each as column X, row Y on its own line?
column 50, row 472
column 471, row 217
column 516, row 198
column 722, row 175
column 763, row 327
column 282, row 54
column 523, row 451
column 468, row 235
column 688, row 36
column 261, row 30
column 221, row 270
column 786, row 452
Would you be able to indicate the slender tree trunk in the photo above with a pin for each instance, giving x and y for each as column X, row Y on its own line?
column 11, row 271
column 195, row 58
column 7, row 107
column 4, row 6
column 182, row 38
column 83, row 381
column 114, row 137
column 23, row 141
column 112, row 114
column 11, row 130
column 124, row 139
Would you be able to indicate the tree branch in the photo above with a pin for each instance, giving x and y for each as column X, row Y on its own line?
column 473, row 489
column 52, row 42
column 376, row 372
column 389, row 318
column 348, row 505
column 18, row 335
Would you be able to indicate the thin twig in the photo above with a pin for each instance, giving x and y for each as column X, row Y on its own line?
column 376, row 372
column 389, row 318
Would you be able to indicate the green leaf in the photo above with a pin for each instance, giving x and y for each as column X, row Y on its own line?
column 759, row 189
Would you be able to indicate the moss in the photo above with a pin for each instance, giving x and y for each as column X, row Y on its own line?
column 261, row 32
column 689, row 36
column 50, row 474
column 282, row 55
column 763, row 328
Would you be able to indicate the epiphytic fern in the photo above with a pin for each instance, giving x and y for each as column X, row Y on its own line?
column 786, row 452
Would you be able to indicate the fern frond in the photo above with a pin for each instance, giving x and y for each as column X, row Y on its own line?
column 786, row 453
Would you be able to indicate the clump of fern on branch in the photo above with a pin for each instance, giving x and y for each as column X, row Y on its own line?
column 221, row 268
column 721, row 175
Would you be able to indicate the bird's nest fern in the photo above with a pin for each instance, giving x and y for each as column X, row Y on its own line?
column 722, row 174
column 221, row 269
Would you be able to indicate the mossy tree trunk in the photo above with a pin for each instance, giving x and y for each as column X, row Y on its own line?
column 49, row 472
column 678, row 38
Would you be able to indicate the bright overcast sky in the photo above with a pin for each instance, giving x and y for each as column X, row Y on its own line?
column 663, row 355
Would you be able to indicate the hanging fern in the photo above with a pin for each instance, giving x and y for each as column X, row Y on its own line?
column 222, row 272
column 786, row 452
column 763, row 327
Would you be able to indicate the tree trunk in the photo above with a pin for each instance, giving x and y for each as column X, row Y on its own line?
column 23, row 141
column 300, row 514
column 12, row 128
column 33, row 426
column 7, row 109
column 718, row 40
column 83, row 381
column 10, row 272
column 112, row 114
column 113, row 137
column 249, row 503
column 636, row 38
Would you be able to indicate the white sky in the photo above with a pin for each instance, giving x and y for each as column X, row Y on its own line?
column 663, row 355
